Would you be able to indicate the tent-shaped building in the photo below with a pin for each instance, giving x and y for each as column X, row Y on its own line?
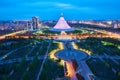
column 61, row 25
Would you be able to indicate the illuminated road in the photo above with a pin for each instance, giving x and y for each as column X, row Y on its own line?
column 83, row 67
column 69, row 66
column 110, row 34
column 79, row 56
column 12, row 34
column 70, row 70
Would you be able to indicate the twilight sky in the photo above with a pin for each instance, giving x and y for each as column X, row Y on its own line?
column 51, row 9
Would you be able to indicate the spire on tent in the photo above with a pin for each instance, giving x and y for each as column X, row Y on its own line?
column 62, row 24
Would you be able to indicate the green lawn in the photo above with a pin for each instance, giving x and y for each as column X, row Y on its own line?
column 101, row 69
column 96, row 45
column 52, row 70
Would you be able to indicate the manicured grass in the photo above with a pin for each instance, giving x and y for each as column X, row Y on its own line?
column 33, row 70
column 14, row 43
column 5, row 71
column 26, row 70
column 106, row 68
column 30, row 51
column 20, row 53
column 53, row 46
column 35, row 50
column 20, row 69
column 96, row 46
column 101, row 69
column 2, row 53
column 51, row 70
column 43, row 48
column 76, row 31
column 23, row 69
column 18, row 44
column 114, row 64
column 47, row 31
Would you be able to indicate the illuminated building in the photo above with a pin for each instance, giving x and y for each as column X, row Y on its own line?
column 35, row 23
column 61, row 25
column 29, row 26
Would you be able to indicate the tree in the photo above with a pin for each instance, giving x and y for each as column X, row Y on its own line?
column 23, row 61
column 15, row 67
column 25, row 76
column 118, row 75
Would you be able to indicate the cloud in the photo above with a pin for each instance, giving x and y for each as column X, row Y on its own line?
column 63, row 5
column 87, row 8
column 83, row 9
column 39, row 4
column 56, row 4
column 59, row 5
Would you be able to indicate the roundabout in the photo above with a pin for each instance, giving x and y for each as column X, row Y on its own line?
column 72, row 54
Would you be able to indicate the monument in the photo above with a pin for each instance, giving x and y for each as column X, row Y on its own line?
column 62, row 25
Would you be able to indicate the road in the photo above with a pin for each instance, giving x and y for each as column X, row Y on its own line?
column 82, row 66
column 70, row 70
column 12, row 34
column 84, row 70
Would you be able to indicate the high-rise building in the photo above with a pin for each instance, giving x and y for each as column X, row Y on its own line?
column 35, row 22
column 29, row 25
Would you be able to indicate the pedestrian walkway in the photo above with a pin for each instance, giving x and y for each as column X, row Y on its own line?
column 17, row 60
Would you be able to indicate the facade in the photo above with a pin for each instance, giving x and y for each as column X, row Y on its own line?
column 29, row 26
column 35, row 23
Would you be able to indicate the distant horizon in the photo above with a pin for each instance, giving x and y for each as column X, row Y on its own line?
column 67, row 17
column 29, row 19
column 57, row 19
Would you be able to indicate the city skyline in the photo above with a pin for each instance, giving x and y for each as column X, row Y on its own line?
column 59, row 40
column 50, row 10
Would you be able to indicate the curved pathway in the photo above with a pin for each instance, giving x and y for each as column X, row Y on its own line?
column 19, row 60
column 68, row 54
column 1, row 58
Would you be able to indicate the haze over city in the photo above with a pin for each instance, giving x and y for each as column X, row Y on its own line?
column 51, row 9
